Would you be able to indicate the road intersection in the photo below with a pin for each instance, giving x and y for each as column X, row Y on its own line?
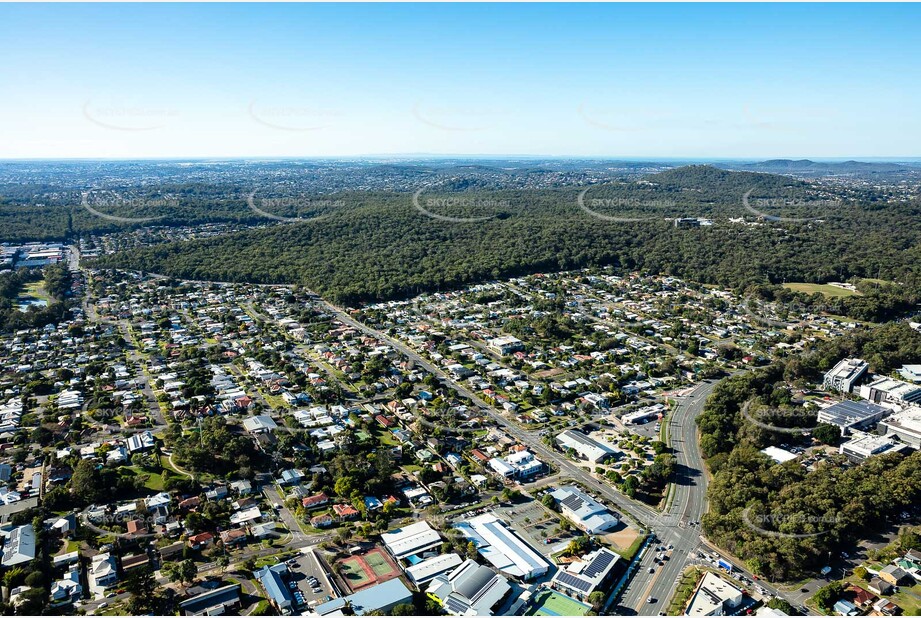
column 678, row 526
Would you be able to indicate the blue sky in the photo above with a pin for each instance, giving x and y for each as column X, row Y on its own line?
column 622, row 80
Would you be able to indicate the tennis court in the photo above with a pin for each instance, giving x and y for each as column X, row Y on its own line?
column 550, row 603
column 354, row 573
column 381, row 566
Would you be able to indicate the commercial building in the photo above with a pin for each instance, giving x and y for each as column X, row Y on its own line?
column 520, row 465
column 380, row 598
column 852, row 415
column 505, row 345
column 427, row 570
column 887, row 390
column 470, row 590
column 912, row 373
column 644, row 415
column 845, row 375
column 581, row 578
column 272, row 580
column 905, row 425
column 411, row 540
column 714, row 597
column 586, row 447
column 503, row 548
column 215, row 602
column 583, row 510
column 864, row 445
column 778, row 454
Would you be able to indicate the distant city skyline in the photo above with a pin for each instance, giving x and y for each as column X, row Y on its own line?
column 625, row 81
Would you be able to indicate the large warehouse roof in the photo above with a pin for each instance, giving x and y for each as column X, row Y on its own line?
column 411, row 540
column 502, row 547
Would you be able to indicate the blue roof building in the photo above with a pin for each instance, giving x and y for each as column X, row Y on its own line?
column 275, row 588
column 380, row 598
column 846, row 608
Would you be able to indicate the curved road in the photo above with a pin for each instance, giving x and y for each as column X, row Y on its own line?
column 688, row 503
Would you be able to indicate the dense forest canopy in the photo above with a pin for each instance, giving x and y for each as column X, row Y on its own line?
column 381, row 245
column 817, row 513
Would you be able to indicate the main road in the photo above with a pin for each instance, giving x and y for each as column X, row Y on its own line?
column 677, row 525
column 673, row 527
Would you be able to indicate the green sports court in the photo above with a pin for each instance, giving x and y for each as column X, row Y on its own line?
column 550, row 603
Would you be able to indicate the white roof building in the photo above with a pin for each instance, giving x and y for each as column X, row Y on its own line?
column 429, row 569
column 905, row 425
column 583, row 510
column 583, row 577
column 19, row 545
column 912, row 373
column 502, row 548
column 101, row 574
column 586, row 447
column 260, row 424
column 864, row 445
column 470, row 590
column 843, row 376
column 410, row 540
column 522, row 464
column 140, row 442
column 713, row 597
column 883, row 389
column 778, row 454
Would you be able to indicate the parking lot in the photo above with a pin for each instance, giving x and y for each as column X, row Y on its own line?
column 646, row 429
column 535, row 524
column 305, row 570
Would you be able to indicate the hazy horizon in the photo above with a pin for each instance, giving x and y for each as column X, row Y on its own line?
column 206, row 81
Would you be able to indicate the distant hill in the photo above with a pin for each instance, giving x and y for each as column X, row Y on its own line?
column 714, row 179
column 806, row 166
column 384, row 245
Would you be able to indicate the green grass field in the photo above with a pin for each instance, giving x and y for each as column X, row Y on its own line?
column 550, row 603
column 824, row 288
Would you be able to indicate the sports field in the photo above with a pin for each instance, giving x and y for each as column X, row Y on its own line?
column 368, row 569
column 828, row 290
column 550, row 603
column 380, row 565
column 354, row 573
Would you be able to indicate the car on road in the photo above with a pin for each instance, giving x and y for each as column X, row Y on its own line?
column 650, row 599
column 651, row 570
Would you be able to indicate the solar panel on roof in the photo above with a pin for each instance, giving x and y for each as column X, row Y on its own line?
column 574, row 582
column 573, row 501
column 599, row 564
column 456, row 606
